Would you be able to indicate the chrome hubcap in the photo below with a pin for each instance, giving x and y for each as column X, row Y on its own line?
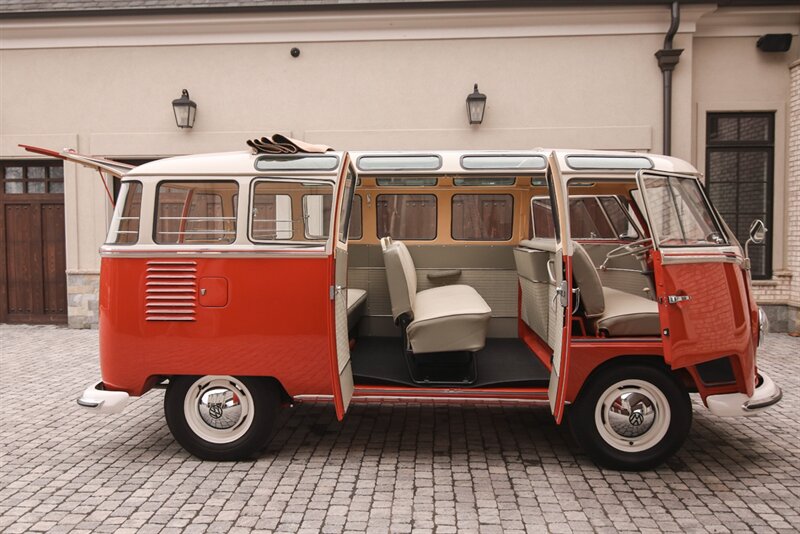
column 218, row 409
column 632, row 415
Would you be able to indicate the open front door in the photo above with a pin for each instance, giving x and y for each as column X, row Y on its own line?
column 700, row 281
column 343, row 375
column 560, row 272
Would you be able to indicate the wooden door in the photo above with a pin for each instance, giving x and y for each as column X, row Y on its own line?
column 33, row 281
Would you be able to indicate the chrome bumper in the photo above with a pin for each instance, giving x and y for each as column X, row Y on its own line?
column 738, row 404
column 97, row 399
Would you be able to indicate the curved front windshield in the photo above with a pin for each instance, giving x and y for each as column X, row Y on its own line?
column 678, row 212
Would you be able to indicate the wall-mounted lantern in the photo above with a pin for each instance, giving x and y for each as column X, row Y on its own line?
column 185, row 110
column 476, row 105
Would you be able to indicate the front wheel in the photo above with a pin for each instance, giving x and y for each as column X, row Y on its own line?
column 631, row 417
column 221, row 418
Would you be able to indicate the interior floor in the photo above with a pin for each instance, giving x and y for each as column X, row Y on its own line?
column 501, row 363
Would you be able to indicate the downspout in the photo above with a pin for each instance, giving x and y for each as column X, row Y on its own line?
column 668, row 57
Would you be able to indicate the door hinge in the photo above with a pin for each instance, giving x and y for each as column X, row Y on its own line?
column 674, row 299
column 332, row 292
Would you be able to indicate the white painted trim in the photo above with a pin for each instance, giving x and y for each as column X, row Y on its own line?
column 333, row 26
column 750, row 22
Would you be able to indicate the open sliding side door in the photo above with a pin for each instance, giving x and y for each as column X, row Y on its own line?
column 560, row 272
column 342, row 371
column 700, row 281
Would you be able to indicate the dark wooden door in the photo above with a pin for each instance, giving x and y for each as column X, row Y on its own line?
column 33, row 281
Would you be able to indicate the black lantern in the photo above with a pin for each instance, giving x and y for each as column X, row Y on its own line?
column 476, row 105
column 185, row 110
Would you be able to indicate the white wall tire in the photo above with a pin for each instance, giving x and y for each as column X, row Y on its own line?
column 219, row 417
column 631, row 417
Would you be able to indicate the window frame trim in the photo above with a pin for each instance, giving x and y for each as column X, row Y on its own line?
column 738, row 146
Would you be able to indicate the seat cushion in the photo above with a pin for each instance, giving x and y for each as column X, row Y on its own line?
column 628, row 315
column 449, row 318
column 356, row 303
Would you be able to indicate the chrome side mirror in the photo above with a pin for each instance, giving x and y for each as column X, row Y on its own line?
column 758, row 232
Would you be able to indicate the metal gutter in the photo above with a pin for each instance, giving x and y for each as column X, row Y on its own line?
column 668, row 58
column 12, row 10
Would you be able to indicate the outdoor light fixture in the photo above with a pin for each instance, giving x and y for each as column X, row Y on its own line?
column 476, row 105
column 185, row 110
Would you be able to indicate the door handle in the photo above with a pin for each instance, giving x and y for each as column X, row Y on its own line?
column 674, row 299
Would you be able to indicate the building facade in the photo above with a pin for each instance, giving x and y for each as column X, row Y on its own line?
column 99, row 76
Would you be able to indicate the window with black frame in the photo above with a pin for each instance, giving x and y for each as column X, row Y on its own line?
column 740, row 151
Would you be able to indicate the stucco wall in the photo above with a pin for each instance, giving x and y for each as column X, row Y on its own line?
column 383, row 80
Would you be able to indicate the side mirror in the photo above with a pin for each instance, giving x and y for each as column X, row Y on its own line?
column 758, row 232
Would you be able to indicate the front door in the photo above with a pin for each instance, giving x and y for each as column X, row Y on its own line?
column 33, row 281
column 343, row 377
column 560, row 272
column 700, row 282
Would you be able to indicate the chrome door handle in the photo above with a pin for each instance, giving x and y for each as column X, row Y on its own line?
column 674, row 299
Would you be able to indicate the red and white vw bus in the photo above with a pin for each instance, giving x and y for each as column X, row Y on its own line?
column 603, row 283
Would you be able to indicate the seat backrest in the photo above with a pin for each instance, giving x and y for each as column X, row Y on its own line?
column 401, row 276
column 588, row 281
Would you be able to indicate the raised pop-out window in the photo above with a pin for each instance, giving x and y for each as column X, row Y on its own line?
column 317, row 211
column 290, row 211
column 406, row 216
column 195, row 213
column 125, row 229
column 482, row 217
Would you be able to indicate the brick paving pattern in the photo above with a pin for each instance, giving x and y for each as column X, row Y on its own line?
column 402, row 467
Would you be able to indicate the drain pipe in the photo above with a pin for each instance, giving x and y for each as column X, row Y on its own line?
column 668, row 57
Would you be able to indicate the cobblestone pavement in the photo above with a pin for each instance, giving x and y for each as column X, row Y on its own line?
column 394, row 467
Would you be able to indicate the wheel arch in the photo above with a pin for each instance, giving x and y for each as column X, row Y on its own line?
column 657, row 361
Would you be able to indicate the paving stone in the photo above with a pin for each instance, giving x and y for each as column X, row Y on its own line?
column 407, row 466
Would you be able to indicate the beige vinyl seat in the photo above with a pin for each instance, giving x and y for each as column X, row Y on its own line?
column 441, row 319
column 356, row 304
column 614, row 312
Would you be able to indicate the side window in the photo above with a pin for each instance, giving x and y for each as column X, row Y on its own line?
column 482, row 217
column 346, row 208
column 290, row 211
column 616, row 208
column 194, row 213
column 587, row 220
column 542, row 217
column 356, row 229
column 406, row 216
column 125, row 229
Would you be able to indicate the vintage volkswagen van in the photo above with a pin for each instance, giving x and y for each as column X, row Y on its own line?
column 603, row 283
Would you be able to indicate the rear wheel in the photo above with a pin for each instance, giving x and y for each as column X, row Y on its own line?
column 631, row 417
column 221, row 418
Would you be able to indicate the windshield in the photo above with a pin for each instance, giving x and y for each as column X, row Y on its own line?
column 679, row 214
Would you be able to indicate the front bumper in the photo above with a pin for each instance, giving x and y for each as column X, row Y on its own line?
column 97, row 399
column 737, row 404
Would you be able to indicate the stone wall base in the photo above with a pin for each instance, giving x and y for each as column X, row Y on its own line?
column 83, row 291
column 782, row 317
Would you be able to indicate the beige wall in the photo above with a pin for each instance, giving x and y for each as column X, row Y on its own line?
column 554, row 77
